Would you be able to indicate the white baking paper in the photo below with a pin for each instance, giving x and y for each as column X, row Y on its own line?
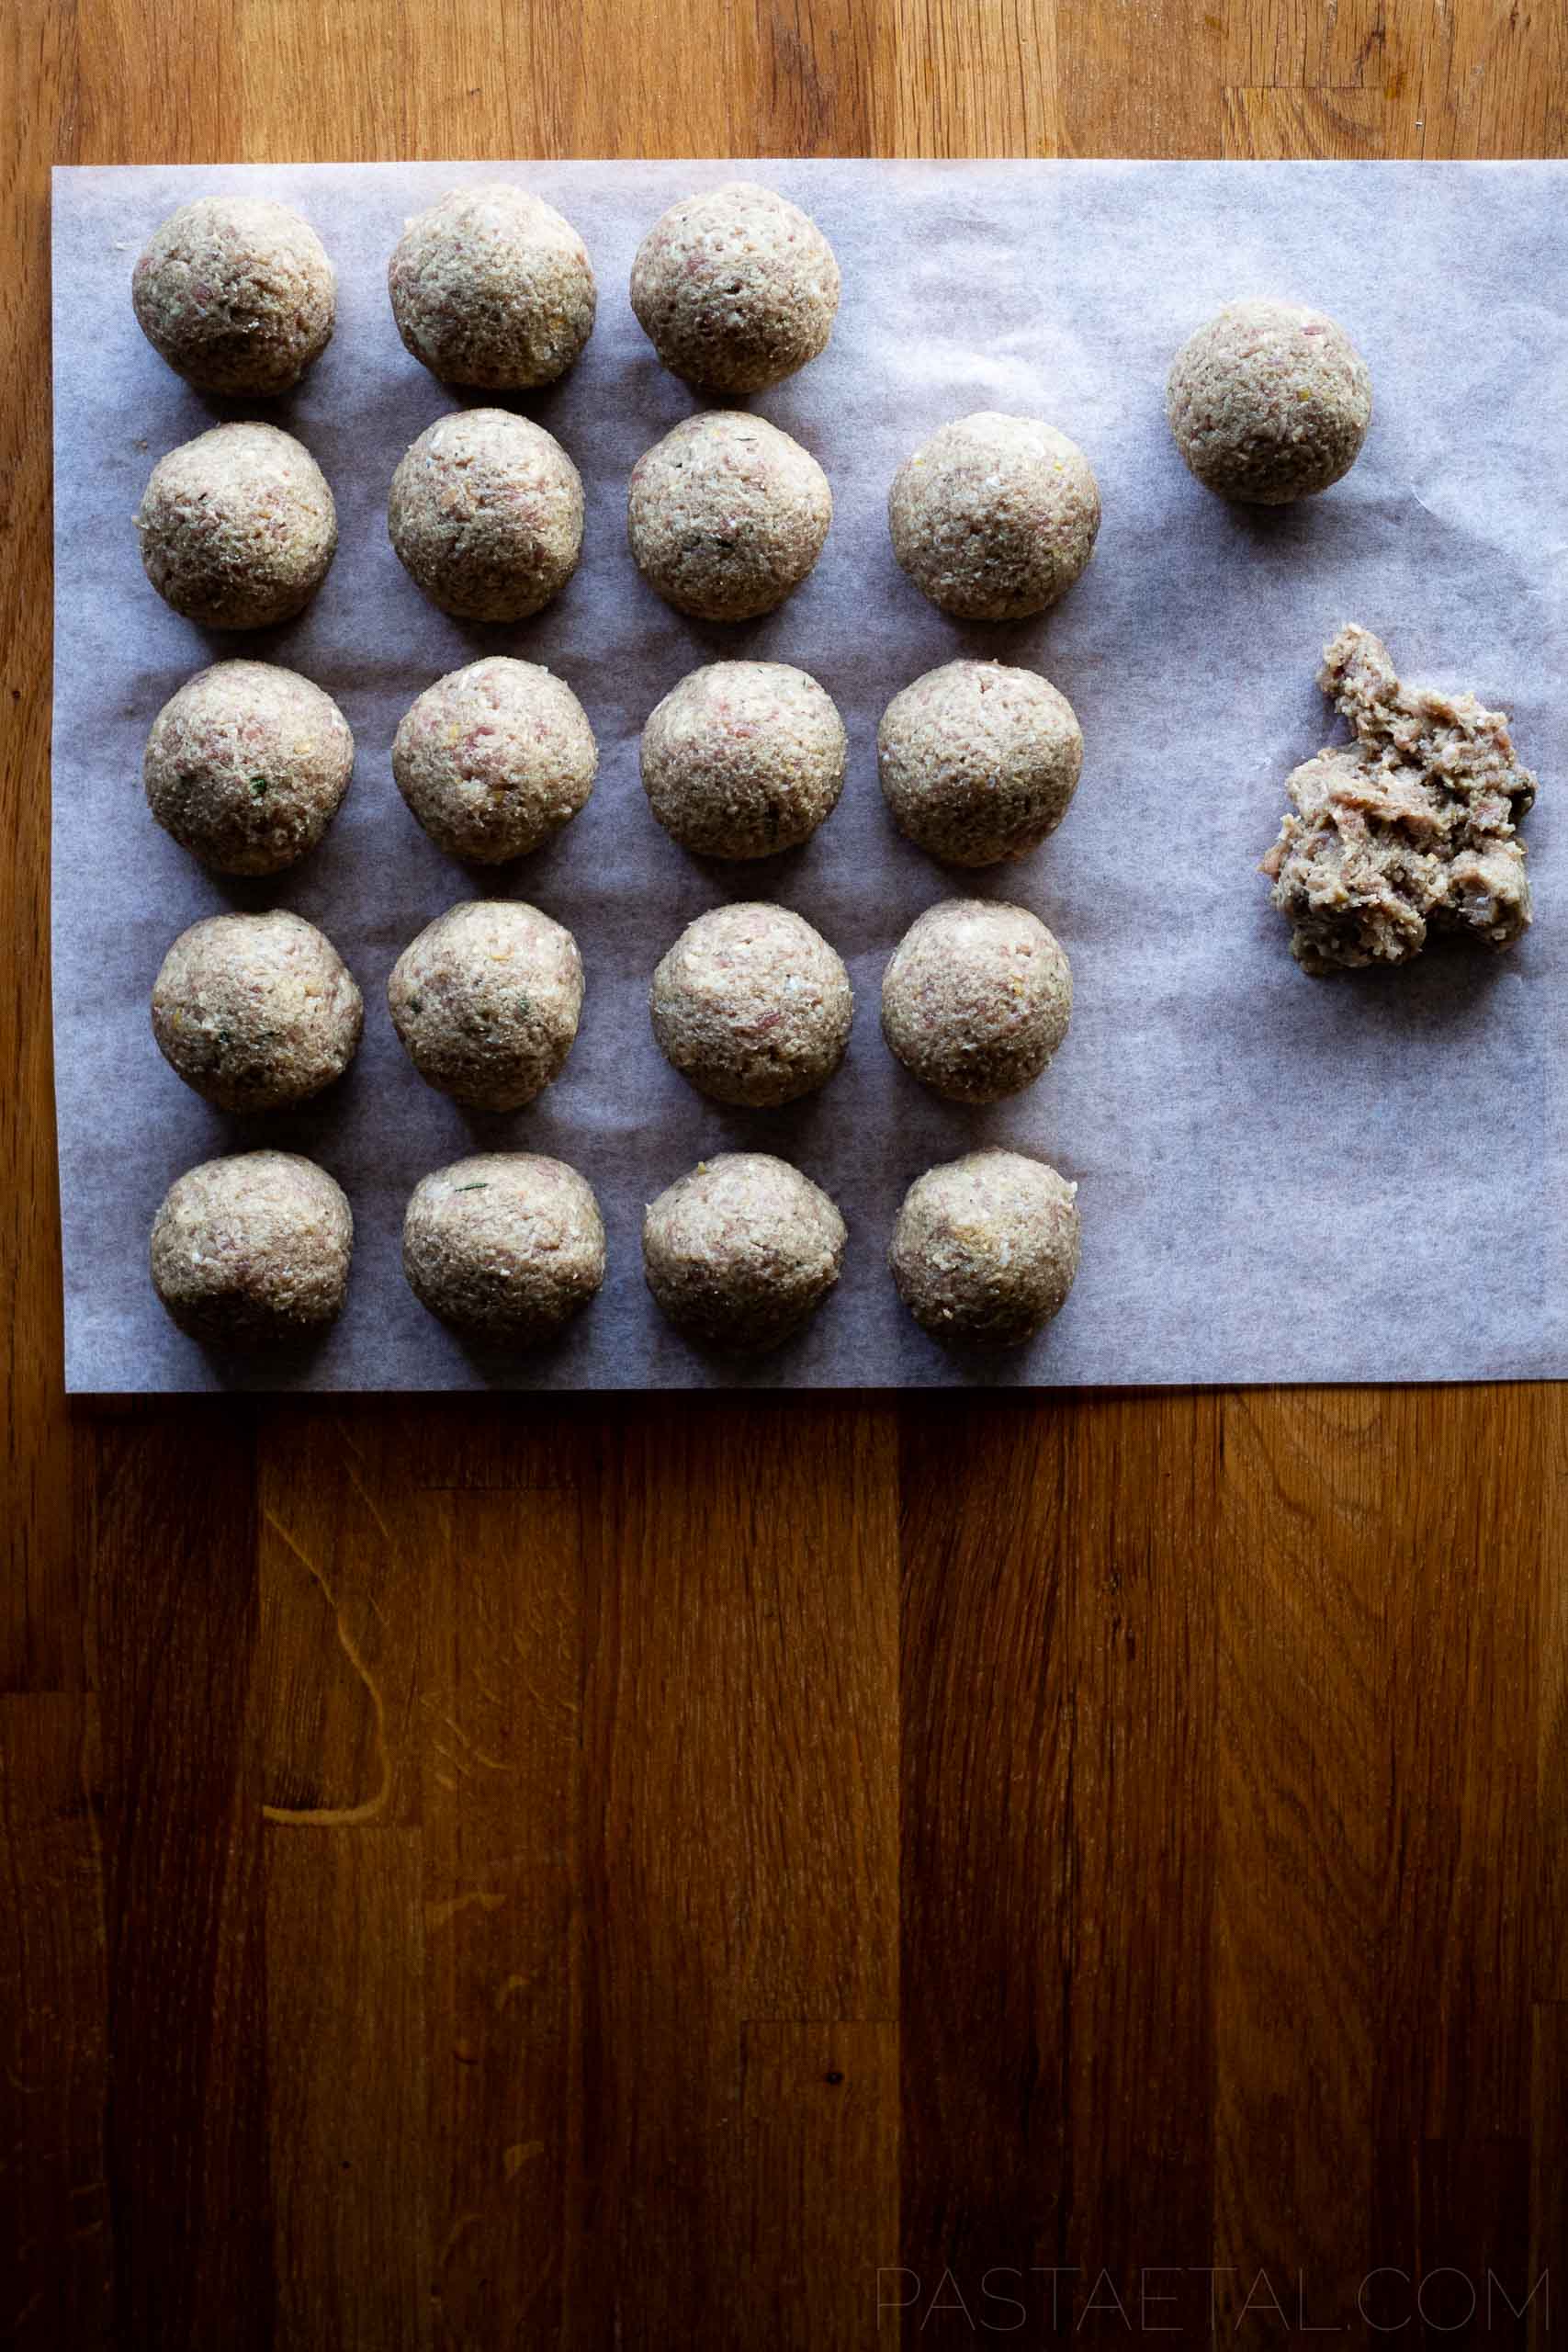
column 1279, row 1178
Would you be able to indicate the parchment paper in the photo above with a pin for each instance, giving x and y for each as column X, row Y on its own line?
column 1281, row 1179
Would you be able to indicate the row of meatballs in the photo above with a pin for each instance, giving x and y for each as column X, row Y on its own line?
column 492, row 290
column 994, row 517
column 248, row 763
column 505, row 1248
column 259, row 1012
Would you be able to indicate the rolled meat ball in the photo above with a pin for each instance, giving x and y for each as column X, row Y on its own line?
column 978, row 761
column 246, row 766
column 256, row 1012
column 736, row 288
column 505, row 1247
column 495, row 759
column 486, row 1001
column 740, row 1255
column 744, row 759
column 492, row 287
column 236, row 293
column 976, row 999
column 486, row 515
column 237, row 528
column 995, row 517
column 753, row 1006
column 253, row 1250
column 1269, row 401
column 986, row 1249
column 727, row 515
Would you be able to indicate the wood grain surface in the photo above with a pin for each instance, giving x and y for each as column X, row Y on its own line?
column 803, row 1875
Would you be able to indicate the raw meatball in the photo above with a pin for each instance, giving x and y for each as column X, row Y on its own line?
column 253, row 1250
column 486, row 1001
column 753, row 1006
column 727, row 515
column 237, row 528
column 986, row 1248
column 492, row 286
column 978, row 761
column 236, row 293
column 744, row 758
column 976, row 999
column 486, row 514
column 995, row 518
column 505, row 1248
column 1409, row 828
column 247, row 765
column 494, row 759
column 736, row 288
column 257, row 1012
column 739, row 1253
column 1270, row 402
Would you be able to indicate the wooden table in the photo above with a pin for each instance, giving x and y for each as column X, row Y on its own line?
column 682, row 1874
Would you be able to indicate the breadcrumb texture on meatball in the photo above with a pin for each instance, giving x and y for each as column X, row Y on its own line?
column 744, row 759
column 237, row 528
column 727, row 515
column 486, row 514
column 739, row 1253
column 505, row 1247
column 995, row 517
column 236, row 293
column 494, row 759
column 257, row 1012
column 986, row 1249
column 976, row 999
column 753, row 1006
column 253, row 1250
column 736, row 288
column 978, row 761
column 486, row 1001
column 247, row 765
column 492, row 287
column 1269, row 401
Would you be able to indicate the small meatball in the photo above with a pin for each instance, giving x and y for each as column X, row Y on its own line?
column 744, row 759
column 486, row 515
column 975, row 1000
column 237, row 528
column 978, row 761
column 247, row 765
column 505, row 1247
column 727, row 515
column 492, row 287
column 494, row 760
column 753, row 1006
column 253, row 1250
column 736, row 288
column 486, row 1001
column 1270, row 402
column 995, row 518
column 237, row 294
column 986, row 1249
column 739, row 1253
column 257, row 1012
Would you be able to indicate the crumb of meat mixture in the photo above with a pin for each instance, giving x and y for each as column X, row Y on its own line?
column 1408, row 828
